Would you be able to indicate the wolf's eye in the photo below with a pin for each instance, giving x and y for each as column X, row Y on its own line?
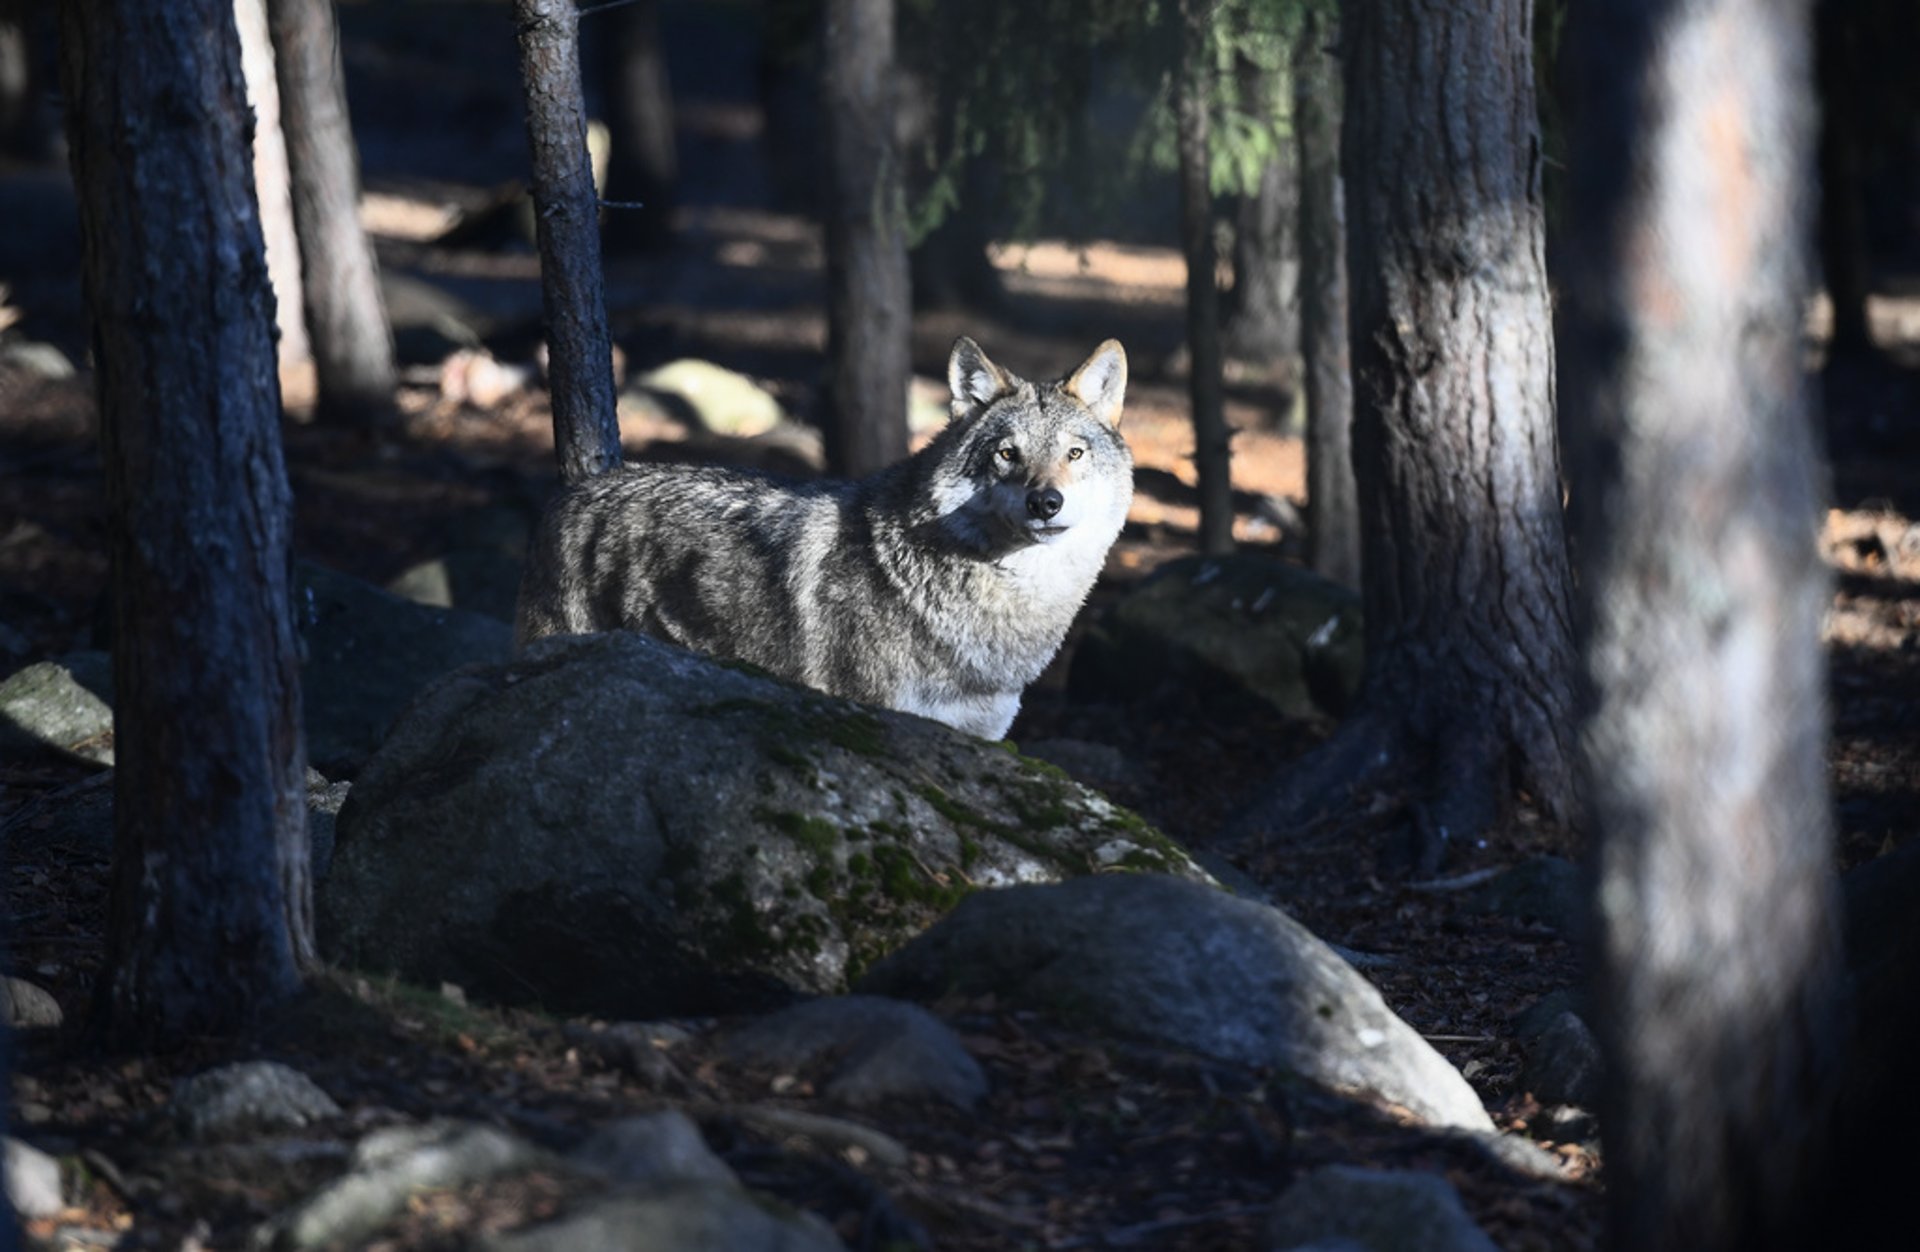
column 1009, row 455
column 1074, row 454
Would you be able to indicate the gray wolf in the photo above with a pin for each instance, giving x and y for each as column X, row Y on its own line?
column 941, row 585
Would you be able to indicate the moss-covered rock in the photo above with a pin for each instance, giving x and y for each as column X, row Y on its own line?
column 1243, row 623
column 613, row 825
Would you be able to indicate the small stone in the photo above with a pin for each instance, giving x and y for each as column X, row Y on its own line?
column 33, row 1180
column 29, row 1006
column 63, row 708
column 249, row 1097
column 864, row 1050
column 1382, row 1210
column 1563, row 1064
column 657, row 1148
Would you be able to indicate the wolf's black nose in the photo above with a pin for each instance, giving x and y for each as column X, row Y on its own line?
column 1044, row 502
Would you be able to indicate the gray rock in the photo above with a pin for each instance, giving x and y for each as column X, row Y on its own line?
column 1381, row 1210
column 1522, row 1156
column 1563, row 1064
column 709, row 396
column 656, row 1148
column 689, row 1217
column 29, row 1007
column 1566, row 1123
column 614, row 826
column 249, row 1097
column 41, row 360
column 390, row 1165
column 324, row 801
column 862, row 1051
column 475, row 580
column 1244, row 623
column 60, row 708
column 1531, row 1022
column 367, row 653
column 1154, row 957
column 33, row 1180
column 1548, row 889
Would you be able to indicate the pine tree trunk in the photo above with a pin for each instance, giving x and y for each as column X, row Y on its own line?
column 1263, row 319
column 1212, row 455
column 645, row 163
column 1718, row 980
column 211, row 914
column 272, row 184
column 1468, row 698
column 869, row 304
column 1333, row 511
column 586, row 424
column 346, row 313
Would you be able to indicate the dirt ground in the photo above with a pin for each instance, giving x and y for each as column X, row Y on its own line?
column 1083, row 1143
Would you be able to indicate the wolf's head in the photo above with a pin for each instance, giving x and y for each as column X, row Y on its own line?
column 1024, row 463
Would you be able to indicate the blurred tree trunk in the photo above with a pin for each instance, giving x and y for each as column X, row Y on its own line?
column 1333, row 510
column 644, row 166
column 21, row 133
column 272, row 183
column 869, row 305
column 1212, row 453
column 1468, row 698
column 346, row 315
column 1263, row 312
column 1843, row 228
column 211, row 914
column 586, row 424
column 1718, row 980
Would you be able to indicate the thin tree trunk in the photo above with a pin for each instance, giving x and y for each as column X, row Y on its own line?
column 1212, row 454
column 211, row 913
column 1263, row 320
column 272, row 183
column 1333, row 511
column 586, row 426
column 645, row 162
column 1843, row 228
column 1718, row 979
column 869, row 303
column 346, row 314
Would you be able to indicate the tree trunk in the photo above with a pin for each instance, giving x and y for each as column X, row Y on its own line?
column 1263, row 322
column 1469, row 690
column 211, row 913
column 1843, row 228
column 272, row 183
column 1333, row 511
column 346, row 314
column 1211, row 454
column 869, row 305
column 586, row 425
column 1718, row 979
column 645, row 164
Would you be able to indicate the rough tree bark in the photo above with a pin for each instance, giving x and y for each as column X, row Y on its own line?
column 644, row 167
column 272, row 183
column 211, row 915
column 1212, row 454
column 1469, row 690
column 1333, row 510
column 586, row 425
column 346, row 314
column 869, row 304
column 1262, row 323
column 1718, row 976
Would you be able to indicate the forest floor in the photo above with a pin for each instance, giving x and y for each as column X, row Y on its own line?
column 1083, row 1142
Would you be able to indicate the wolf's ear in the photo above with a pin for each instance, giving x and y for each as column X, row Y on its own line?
column 1101, row 381
column 976, row 381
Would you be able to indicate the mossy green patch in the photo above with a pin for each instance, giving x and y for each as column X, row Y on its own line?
column 816, row 836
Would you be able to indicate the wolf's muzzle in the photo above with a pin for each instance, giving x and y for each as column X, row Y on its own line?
column 1044, row 502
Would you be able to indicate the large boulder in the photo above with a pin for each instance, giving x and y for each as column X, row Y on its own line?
column 1152, row 957
column 365, row 654
column 1246, row 623
column 609, row 824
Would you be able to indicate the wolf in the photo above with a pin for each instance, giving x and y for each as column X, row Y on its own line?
column 941, row 585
